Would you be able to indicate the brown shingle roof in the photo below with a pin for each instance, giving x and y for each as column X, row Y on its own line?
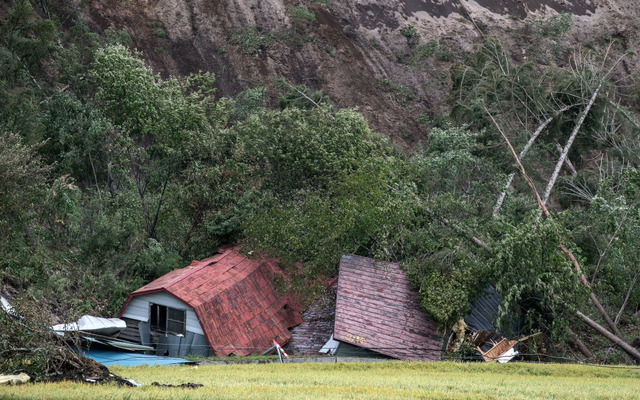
column 377, row 309
column 234, row 299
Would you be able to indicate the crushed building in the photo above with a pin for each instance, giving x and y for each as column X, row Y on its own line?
column 377, row 314
column 223, row 305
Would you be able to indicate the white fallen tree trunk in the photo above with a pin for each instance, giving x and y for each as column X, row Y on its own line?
column 523, row 153
column 567, row 147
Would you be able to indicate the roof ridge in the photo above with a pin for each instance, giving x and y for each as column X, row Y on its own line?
column 202, row 265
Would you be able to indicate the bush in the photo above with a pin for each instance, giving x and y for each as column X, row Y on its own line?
column 302, row 13
column 409, row 31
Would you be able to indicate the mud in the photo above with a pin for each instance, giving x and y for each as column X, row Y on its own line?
column 351, row 45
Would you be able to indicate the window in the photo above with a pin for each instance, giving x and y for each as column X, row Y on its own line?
column 167, row 319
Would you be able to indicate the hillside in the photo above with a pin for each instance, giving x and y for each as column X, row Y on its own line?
column 348, row 48
column 476, row 143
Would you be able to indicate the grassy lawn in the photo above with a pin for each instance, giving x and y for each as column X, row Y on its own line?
column 388, row 380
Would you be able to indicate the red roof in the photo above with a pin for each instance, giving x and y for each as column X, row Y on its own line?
column 239, row 309
column 377, row 309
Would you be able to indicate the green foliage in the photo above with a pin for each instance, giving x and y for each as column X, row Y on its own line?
column 298, row 148
column 422, row 52
column 247, row 102
column 154, row 260
column 26, row 44
column 409, row 31
column 79, row 140
column 250, row 40
column 302, row 13
column 402, row 93
column 158, row 28
column 555, row 27
column 22, row 180
column 114, row 37
column 78, row 55
column 548, row 35
column 368, row 212
column 29, row 39
column 520, row 97
column 445, row 52
column 607, row 231
column 446, row 282
column 453, row 168
column 534, row 272
column 299, row 96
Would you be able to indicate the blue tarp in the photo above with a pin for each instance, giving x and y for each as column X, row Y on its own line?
column 109, row 357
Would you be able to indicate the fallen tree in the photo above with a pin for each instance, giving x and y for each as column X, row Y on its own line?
column 617, row 338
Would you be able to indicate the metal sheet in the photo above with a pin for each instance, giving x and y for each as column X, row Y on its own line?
column 108, row 358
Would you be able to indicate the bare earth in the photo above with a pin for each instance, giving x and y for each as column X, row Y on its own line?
column 351, row 45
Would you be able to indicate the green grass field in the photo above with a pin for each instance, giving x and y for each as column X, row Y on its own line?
column 388, row 380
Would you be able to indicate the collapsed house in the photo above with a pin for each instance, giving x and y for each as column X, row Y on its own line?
column 479, row 331
column 223, row 305
column 377, row 314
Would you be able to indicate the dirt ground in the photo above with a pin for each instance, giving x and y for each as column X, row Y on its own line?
column 354, row 51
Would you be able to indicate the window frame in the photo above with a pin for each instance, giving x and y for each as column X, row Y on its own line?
column 162, row 319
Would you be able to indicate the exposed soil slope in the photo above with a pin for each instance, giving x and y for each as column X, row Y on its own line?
column 346, row 48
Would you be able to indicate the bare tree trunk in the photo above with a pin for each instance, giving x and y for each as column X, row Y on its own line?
column 579, row 344
column 524, row 151
column 567, row 162
column 626, row 298
column 29, row 234
column 154, row 223
column 619, row 342
column 567, row 147
column 111, row 182
column 95, row 177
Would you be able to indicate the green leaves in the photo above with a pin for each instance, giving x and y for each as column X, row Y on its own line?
column 298, row 148
column 22, row 179
column 532, row 272
column 368, row 212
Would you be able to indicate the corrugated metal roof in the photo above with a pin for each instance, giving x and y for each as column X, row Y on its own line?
column 485, row 310
column 377, row 309
column 234, row 299
column 108, row 358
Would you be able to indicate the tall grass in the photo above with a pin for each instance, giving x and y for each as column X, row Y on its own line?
column 388, row 380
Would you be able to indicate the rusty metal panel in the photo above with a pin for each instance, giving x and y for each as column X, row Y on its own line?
column 239, row 313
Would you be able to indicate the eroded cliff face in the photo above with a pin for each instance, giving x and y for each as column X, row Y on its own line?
column 360, row 53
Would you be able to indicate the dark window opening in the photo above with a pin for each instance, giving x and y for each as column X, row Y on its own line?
column 167, row 319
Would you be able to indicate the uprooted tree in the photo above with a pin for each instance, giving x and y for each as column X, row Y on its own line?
column 528, row 250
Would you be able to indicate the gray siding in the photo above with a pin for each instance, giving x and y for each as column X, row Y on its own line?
column 138, row 309
column 175, row 346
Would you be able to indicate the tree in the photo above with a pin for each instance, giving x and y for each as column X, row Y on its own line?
column 22, row 183
column 157, row 118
